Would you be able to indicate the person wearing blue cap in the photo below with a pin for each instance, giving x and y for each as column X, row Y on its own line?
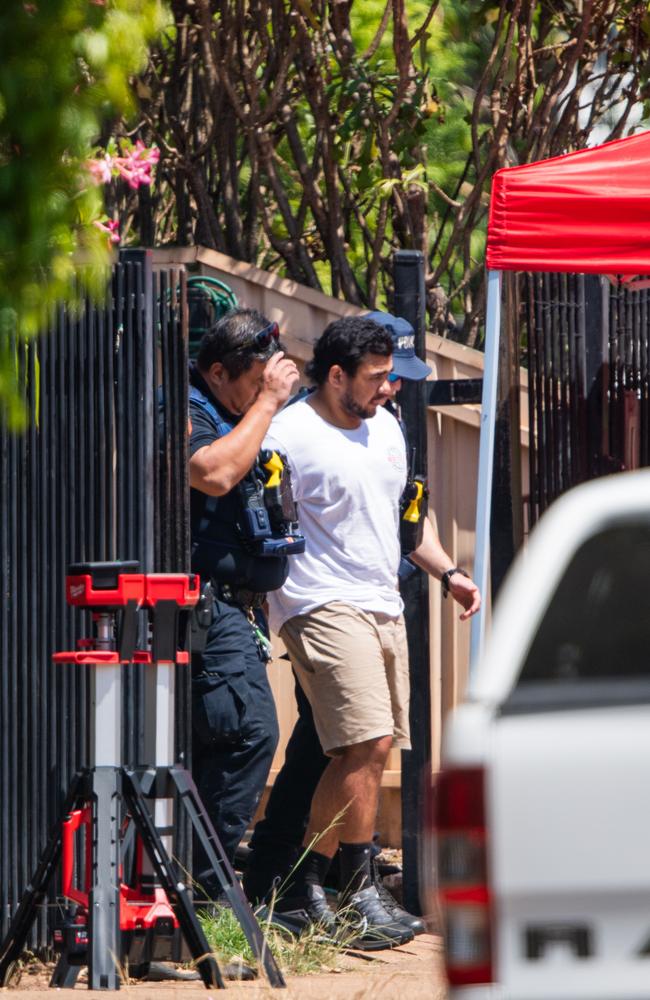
column 431, row 556
column 276, row 842
column 406, row 363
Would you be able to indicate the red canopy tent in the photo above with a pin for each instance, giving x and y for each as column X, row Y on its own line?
column 585, row 212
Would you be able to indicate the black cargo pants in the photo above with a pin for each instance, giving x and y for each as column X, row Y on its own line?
column 235, row 729
column 277, row 838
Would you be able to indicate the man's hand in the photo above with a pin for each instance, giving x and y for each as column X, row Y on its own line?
column 432, row 558
column 465, row 591
column 280, row 376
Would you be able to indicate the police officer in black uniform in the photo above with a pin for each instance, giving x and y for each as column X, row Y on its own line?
column 240, row 380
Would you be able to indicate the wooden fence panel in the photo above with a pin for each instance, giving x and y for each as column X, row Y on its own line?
column 453, row 441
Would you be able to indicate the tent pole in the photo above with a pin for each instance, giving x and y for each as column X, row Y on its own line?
column 485, row 458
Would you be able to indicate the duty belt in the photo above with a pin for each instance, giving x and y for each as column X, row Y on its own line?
column 239, row 596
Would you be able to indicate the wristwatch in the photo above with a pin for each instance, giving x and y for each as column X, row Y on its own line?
column 446, row 577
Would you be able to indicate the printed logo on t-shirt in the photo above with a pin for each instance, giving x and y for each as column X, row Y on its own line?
column 395, row 457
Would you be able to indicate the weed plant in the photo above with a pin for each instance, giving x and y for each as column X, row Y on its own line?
column 300, row 956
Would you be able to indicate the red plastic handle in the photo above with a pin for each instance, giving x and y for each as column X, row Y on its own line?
column 73, row 822
column 88, row 656
column 182, row 588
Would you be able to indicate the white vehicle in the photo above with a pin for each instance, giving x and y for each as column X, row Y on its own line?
column 543, row 804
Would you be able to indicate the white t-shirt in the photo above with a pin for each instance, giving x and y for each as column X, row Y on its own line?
column 347, row 484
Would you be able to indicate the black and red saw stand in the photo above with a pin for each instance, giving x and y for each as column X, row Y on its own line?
column 122, row 818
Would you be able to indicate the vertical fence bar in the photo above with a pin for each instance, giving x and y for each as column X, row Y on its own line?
column 612, row 370
column 22, row 630
column 533, row 430
column 5, row 682
column 561, row 383
column 31, row 810
column 506, row 533
column 576, row 393
column 12, row 630
column 542, row 429
column 550, row 401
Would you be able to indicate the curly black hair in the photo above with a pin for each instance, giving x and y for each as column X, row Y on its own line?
column 345, row 342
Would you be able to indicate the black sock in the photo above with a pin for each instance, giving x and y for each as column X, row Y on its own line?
column 311, row 871
column 355, row 867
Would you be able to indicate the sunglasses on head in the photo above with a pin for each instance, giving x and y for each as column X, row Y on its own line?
column 393, row 377
column 262, row 339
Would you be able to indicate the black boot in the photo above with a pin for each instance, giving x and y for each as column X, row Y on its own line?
column 302, row 904
column 397, row 912
column 298, row 914
column 366, row 925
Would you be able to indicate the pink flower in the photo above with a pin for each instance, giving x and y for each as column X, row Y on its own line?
column 111, row 227
column 101, row 170
column 136, row 165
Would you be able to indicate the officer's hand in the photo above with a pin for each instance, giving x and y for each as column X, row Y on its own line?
column 280, row 376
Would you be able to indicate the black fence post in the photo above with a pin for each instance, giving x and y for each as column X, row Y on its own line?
column 409, row 302
column 140, row 292
column 506, row 523
column 594, row 319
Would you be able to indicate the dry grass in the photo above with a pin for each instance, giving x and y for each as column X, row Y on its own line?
column 296, row 956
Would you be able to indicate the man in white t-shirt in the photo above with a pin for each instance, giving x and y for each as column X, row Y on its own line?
column 339, row 612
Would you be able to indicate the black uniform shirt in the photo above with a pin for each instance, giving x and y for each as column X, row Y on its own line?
column 218, row 549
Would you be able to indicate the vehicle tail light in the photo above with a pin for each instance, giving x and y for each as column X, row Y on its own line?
column 459, row 818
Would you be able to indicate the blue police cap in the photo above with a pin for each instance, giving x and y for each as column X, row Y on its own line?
column 406, row 363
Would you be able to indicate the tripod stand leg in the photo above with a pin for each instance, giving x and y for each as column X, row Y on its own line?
column 175, row 889
column 222, row 868
column 104, row 949
column 14, row 943
column 65, row 974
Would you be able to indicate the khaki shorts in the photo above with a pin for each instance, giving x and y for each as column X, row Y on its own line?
column 353, row 667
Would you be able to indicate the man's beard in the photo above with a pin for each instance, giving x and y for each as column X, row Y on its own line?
column 355, row 409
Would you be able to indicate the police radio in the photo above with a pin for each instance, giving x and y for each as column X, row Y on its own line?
column 412, row 510
column 270, row 519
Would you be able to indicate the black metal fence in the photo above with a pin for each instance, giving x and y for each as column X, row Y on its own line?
column 93, row 478
column 589, row 380
column 628, row 364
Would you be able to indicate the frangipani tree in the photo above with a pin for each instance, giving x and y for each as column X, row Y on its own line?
column 65, row 69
